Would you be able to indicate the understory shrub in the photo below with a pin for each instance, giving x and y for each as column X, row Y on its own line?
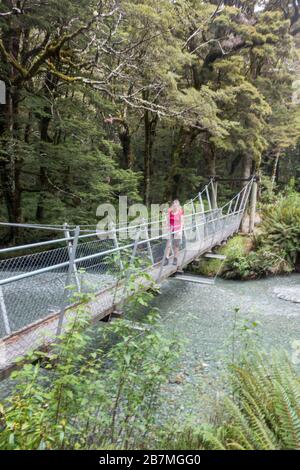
column 243, row 262
column 234, row 250
column 280, row 230
column 273, row 250
column 255, row 265
column 80, row 396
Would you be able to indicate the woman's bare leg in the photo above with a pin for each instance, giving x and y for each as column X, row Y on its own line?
column 176, row 249
column 168, row 249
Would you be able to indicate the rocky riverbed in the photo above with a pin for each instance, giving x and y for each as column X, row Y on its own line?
column 203, row 317
column 290, row 294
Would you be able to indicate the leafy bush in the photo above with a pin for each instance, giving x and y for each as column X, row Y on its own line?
column 273, row 251
column 267, row 191
column 277, row 246
column 83, row 397
column 255, row 265
column 281, row 227
column 234, row 250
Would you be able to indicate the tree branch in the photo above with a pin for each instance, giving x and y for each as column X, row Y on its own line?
column 296, row 14
column 51, row 50
column 14, row 11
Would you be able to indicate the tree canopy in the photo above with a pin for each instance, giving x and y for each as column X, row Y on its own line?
column 142, row 98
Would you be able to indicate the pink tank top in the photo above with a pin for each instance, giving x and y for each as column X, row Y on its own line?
column 175, row 219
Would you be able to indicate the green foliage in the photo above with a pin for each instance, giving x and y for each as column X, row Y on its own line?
column 268, row 192
column 80, row 396
column 263, row 415
column 235, row 251
column 257, row 264
column 272, row 252
column 274, row 249
column 129, row 98
column 242, row 341
column 281, row 228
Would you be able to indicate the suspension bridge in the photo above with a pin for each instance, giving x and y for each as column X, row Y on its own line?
column 42, row 283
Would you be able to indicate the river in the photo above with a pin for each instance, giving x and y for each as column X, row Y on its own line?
column 203, row 317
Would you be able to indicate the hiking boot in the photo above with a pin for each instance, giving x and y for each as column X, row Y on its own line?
column 175, row 262
column 166, row 262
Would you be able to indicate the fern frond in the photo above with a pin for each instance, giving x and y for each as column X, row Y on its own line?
column 239, row 428
column 211, row 441
column 289, row 419
column 263, row 436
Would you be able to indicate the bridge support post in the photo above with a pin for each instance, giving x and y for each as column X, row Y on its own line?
column 214, row 190
column 227, row 220
column 129, row 269
column 253, row 204
column 210, row 219
column 203, row 220
column 236, row 216
column 116, row 243
column 196, row 222
column 68, row 280
column 244, row 204
column 4, row 313
column 243, row 211
column 149, row 247
column 70, row 248
column 208, row 199
column 201, row 203
column 237, row 203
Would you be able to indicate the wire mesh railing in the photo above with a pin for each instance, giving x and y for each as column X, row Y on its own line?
column 40, row 285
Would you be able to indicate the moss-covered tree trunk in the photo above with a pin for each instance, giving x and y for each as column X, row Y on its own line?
column 10, row 162
column 179, row 159
column 149, row 132
column 209, row 153
column 45, row 119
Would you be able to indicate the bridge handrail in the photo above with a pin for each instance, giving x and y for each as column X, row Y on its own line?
column 140, row 227
column 96, row 233
column 110, row 251
column 239, row 193
column 81, row 259
column 72, row 227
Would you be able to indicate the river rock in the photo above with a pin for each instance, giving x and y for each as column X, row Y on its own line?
column 178, row 380
column 290, row 294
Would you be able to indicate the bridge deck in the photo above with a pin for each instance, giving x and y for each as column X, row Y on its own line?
column 35, row 293
column 42, row 332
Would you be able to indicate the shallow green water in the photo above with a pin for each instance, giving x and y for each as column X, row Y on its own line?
column 203, row 316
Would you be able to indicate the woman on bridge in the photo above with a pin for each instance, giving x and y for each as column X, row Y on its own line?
column 175, row 220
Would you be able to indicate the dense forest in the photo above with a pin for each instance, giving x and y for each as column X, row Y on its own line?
column 149, row 99
column 143, row 98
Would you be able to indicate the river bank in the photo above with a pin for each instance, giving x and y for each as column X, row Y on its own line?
column 244, row 261
column 273, row 249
